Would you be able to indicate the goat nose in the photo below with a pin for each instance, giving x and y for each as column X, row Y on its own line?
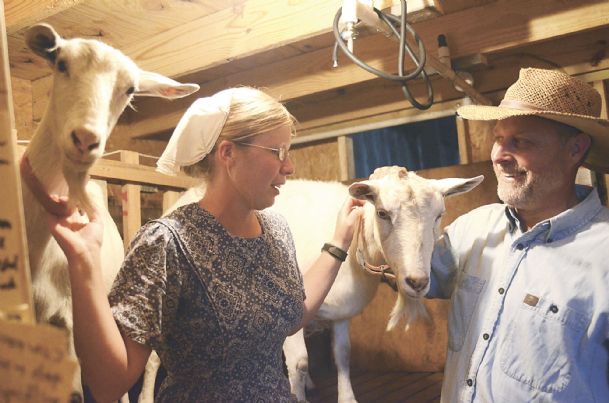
column 85, row 140
column 417, row 283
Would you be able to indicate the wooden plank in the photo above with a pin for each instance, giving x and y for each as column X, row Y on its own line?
column 118, row 172
column 130, row 201
column 15, row 285
column 387, row 387
column 382, row 384
column 452, row 6
column 22, row 13
column 419, row 391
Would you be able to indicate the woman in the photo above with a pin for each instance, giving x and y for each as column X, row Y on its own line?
column 214, row 287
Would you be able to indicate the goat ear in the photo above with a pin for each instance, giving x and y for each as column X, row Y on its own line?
column 44, row 41
column 157, row 85
column 363, row 191
column 455, row 186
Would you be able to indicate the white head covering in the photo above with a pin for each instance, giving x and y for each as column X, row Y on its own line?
column 196, row 133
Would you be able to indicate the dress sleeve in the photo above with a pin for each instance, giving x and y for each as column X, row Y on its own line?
column 144, row 292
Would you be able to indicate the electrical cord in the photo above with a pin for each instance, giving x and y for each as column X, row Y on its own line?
column 392, row 21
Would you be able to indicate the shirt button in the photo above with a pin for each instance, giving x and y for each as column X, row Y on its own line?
column 469, row 382
column 553, row 308
column 520, row 246
column 501, row 291
column 485, row 336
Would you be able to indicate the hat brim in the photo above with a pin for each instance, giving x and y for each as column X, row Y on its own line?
column 597, row 128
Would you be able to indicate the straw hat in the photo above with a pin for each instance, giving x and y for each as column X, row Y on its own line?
column 557, row 96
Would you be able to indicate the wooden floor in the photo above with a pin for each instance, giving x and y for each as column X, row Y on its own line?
column 385, row 387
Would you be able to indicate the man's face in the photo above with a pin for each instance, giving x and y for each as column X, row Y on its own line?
column 530, row 159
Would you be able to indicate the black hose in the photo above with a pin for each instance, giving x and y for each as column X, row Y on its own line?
column 391, row 21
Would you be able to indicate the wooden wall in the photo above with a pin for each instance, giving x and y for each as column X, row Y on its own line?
column 318, row 161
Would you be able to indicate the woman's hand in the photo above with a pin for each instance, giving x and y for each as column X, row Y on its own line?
column 348, row 218
column 79, row 236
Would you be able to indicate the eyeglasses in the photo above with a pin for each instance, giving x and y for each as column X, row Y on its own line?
column 282, row 152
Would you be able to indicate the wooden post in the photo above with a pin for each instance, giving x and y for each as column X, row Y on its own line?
column 15, row 284
column 132, row 217
column 169, row 199
column 463, row 138
column 103, row 185
column 346, row 160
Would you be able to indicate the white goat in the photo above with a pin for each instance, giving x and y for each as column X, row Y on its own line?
column 399, row 226
column 92, row 85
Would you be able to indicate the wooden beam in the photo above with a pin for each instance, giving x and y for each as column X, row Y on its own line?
column 130, row 201
column 22, row 13
column 119, row 172
column 452, row 6
column 365, row 123
column 497, row 27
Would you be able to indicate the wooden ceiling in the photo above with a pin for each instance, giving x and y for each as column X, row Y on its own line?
column 285, row 47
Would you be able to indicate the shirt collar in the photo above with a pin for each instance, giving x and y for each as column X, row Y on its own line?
column 566, row 222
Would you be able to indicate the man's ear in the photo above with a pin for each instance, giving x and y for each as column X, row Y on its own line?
column 579, row 146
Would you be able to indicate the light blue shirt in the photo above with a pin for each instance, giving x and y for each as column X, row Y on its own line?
column 529, row 314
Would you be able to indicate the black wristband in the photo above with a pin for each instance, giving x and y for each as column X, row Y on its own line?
column 335, row 251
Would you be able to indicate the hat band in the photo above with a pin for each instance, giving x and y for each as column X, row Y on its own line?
column 523, row 106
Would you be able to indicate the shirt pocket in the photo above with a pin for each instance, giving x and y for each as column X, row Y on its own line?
column 464, row 299
column 541, row 345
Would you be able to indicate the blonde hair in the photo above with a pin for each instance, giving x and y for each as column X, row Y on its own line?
column 252, row 113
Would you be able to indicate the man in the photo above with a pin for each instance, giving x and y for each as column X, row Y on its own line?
column 528, row 279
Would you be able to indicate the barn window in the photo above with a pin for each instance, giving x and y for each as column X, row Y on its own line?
column 419, row 145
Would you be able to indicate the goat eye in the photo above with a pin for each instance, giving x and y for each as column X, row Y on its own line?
column 62, row 66
column 382, row 214
column 130, row 90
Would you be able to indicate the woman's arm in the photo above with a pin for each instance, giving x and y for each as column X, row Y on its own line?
column 110, row 362
column 318, row 279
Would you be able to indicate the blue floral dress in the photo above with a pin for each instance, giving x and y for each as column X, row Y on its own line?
column 216, row 308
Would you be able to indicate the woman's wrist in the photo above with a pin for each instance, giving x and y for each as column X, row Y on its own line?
column 335, row 251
